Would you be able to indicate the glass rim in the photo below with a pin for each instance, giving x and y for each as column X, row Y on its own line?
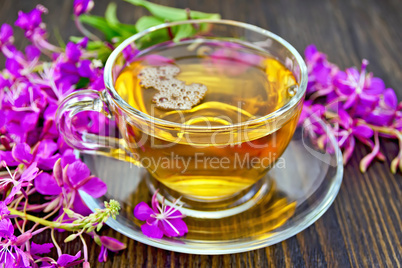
column 108, row 77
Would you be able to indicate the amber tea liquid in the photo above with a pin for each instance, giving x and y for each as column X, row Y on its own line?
column 242, row 84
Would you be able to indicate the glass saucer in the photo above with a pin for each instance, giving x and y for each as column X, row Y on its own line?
column 302, row 187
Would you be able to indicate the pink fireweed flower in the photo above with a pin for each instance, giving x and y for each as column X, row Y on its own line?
column 161, row 220
column 358, row 87
column 31, row 22
column 347, row 131
column 18, row 181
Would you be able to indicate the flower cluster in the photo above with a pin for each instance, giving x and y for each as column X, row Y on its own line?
column 357, row 106
column 33, row 156
column 39, row 172
column 160, row 220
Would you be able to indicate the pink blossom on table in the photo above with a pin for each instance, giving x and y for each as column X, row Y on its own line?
column 160, row 219
column 353, row 94
column 353, row 86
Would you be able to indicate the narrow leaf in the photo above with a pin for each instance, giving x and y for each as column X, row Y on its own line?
column 146, row 22
column 110, row 14
column 183, row 31
column 171, row 13
column 100, row 24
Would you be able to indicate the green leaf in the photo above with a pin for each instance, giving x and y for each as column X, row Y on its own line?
column 100, row 24
column 146, row 22
column 110, row 14
column 130, row 28
column 171, row 13
column 183, row 31
column 58, row 37
column 82, row 83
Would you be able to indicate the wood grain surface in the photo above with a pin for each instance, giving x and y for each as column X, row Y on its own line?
column 363, row 226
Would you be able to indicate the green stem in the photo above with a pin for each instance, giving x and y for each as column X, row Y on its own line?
column 52, row 224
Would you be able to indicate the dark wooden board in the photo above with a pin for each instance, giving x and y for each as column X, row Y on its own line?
column 363, row 227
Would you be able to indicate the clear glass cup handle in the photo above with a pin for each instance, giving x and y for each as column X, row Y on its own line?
column 89, row 100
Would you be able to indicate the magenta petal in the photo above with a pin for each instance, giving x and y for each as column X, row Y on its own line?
column 6, row 228
column 46, row 148
column 48, row 162
column 68, row 157
column 95, row 187
column 7, row 157
column 32, row 53
column 345, row 118
column 22, row 153
column 30, row 173
column 377, row 86
column 80, row 207
column 151, row 229
column 46, row 184
column 102, row 255
column 339, row 82
column 41, row 248
column 77, row 171
column 21, row 256
column 363, row 131
column 178, row 224
column 3, row 209
column 142, row 211
column 175, row 213
column 13, row 192
column 112, row 244
column 350, row 101
column 65, row 259
column 390, row 98
column 310, row 51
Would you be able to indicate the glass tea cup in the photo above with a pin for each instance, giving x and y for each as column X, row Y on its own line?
column 211, row 164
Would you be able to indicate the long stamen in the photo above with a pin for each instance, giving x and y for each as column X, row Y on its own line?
column 9, row 172
column 173, row 211
column 169, row 211
column 171, row 225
